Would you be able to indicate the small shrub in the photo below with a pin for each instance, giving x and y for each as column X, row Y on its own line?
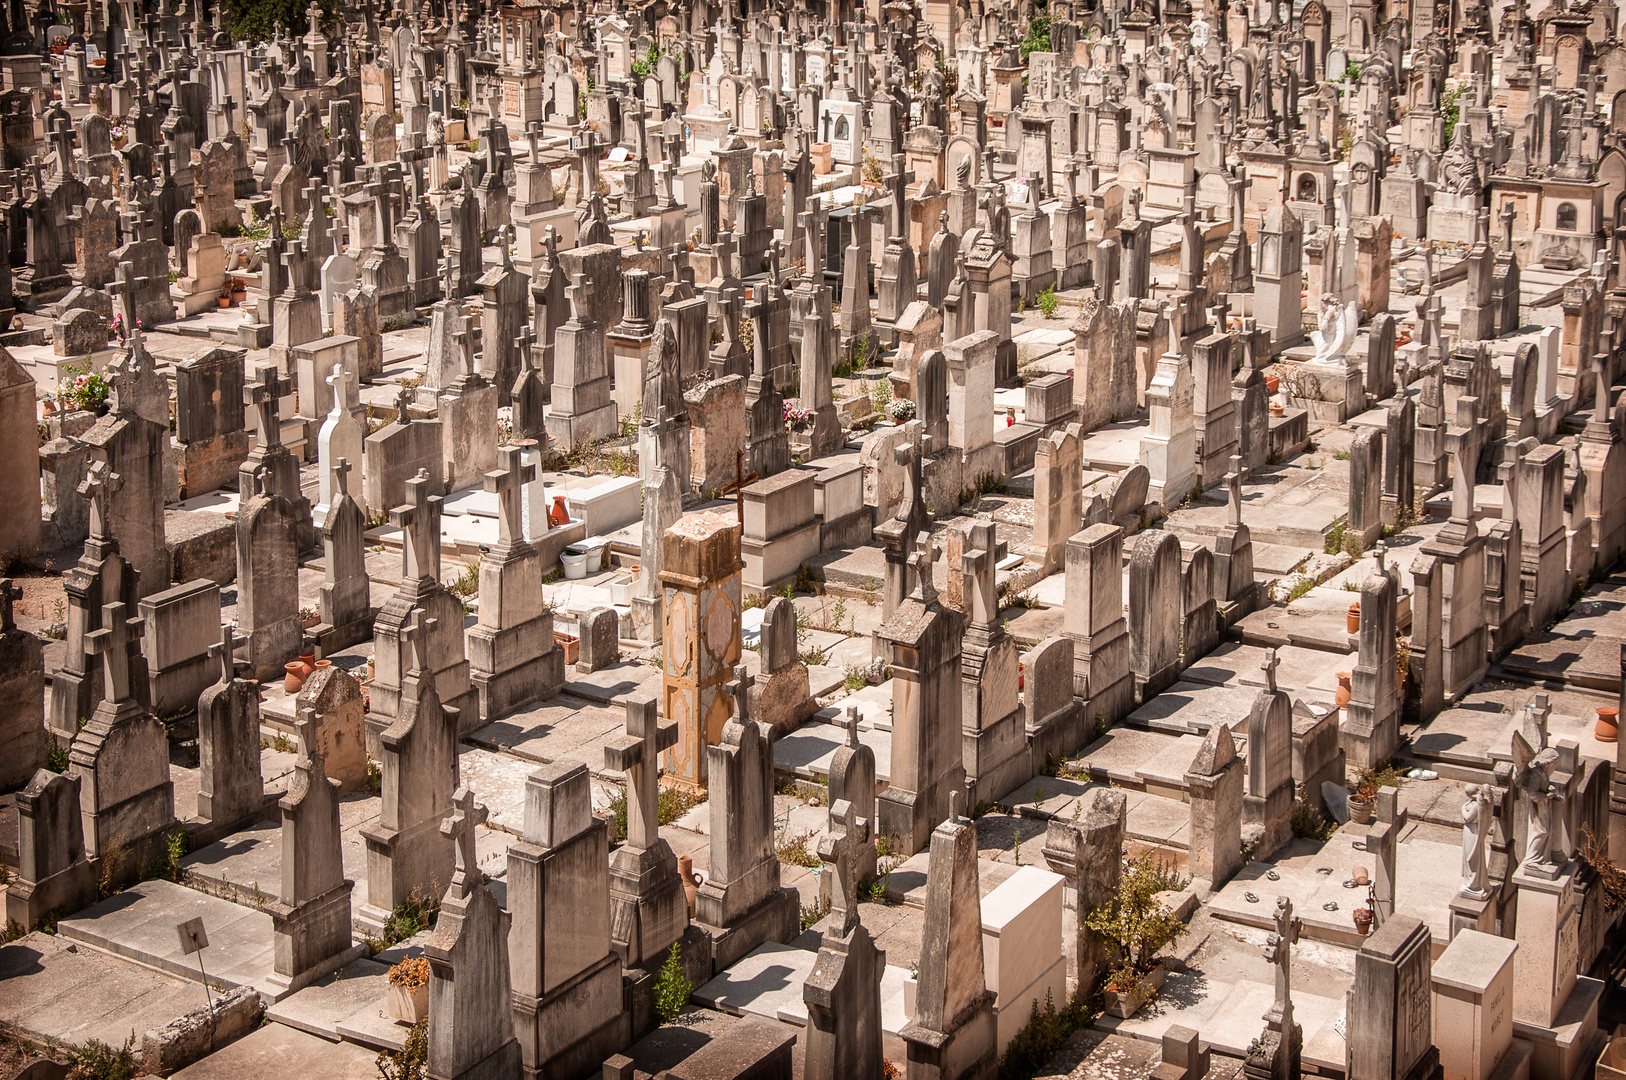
column 1134, row 922
column 671, row 986
column 98, row 1061
column 411, row 1062
column 854, row 678
column 1048, row 302
column 1046, row 1032
column 468, row 582
column 1309, row 822
column 793, row 850
column 811, row 915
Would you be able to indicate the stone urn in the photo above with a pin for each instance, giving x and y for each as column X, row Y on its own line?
column 1607, row 728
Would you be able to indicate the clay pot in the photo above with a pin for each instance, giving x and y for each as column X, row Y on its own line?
column 1360, row 811
column 558, row 517
column 1272, row 384
column 691, row 881
column 1344, row 690
column 1277, row 409
column 1363, row 920
column 294, row 681
column 1608, row 726
column 1352, row 618
column 308, row 658
column 225, row 301
column 50, row 407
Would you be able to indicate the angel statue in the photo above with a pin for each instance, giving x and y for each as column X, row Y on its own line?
column 1338, row 325
column 1476, row 821
column 1533, row 762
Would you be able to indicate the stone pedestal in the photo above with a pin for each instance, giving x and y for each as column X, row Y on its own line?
column 1460, row 552
column 1548, row 927
column 512, row 658
column 700, row 578
column 1473, row 986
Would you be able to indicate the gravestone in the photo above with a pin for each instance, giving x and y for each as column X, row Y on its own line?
column 1095, row 622
column 1214, row 779
column 843, row 991
column 471, row 1018
column 1155, row 611
column 345, row 599
column 268, row 583
column 568, row 1010
column 339, row 734
column 1370, row 731
column 1088, row 853
column 23, row 741
column 779, row 695
column 53, row 873
column 1391, row 1035
column 700, row 636
column 648, row 911
column 310, row 919
column 952, row 1031
column 231, row 791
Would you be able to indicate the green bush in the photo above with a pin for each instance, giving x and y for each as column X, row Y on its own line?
column 1047, row 1031
column 1048, row 302
column 411, row 1062
column 1134, row 922
column 98, row 1061
column 671, row 986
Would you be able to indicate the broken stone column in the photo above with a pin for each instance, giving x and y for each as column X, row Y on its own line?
column 1089, row 854
column 1214, row 780
column 700, row 573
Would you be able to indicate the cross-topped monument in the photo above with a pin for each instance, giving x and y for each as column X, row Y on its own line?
column 921, row 560
column 263, row 396
column 838, row 851
column 224, row 653
column 1463, row 440
column 1382, row 840
column 97, row 487
column 637, row 754
column 419, row 522
column 111, row 644
column 506, row 481
column 459, row 824
column 1279, row 951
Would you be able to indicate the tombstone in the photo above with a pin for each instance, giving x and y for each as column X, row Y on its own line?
column 583, row 411
column 267, row 547
column 1391, row 1033
column 121, row 757
column 470, row 992
column 1382, row 840
column 993, row 726
column 700, row 635
column 1154, row 612
column 779, row 695
column 1462, row 551
column 231, row 792
column 566, row 979
column 340, row 437
column 1370, row 731
column 648, row 910
column 210, row 441
column 971, row 362
column 310, row 919
column 345, row 601
column 406, row 852
column 398, row 453
column 1214, row 779
column 133, row 447
column 1095, row 622
column 1169, row 450
column 339, row 734
column 23, row 742
column 1269, row 802
column 1275, row 1054
column 1541, row 532
column 1058, row 500
column 741, row 903
column 952, row 1032
column 1089, row 854
column 1366, row 487
column 843, row 991
column 468, row 417
column 53, row 873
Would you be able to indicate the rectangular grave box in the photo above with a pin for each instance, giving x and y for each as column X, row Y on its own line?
column 1023, row 956
column 1048, row 399
column 181, row 624
column 608, row 505
column 1473, row 1004
column 781, row 531
column 838, row 502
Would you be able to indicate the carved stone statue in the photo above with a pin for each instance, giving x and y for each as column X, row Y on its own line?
column 1533, row 763
column 1338, row 326
column 1476, row 826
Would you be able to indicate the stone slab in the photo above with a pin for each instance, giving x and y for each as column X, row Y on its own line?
column 276, row 1050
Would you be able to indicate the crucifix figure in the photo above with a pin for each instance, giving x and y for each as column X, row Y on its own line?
column 1463, row 441
column 637, row 753
column 506, row 481
column 97, row 487
column 224, row 653
column 111, row 644
column 9, row 595
column 1279, row 951
column 419, row 522
column 459, row 824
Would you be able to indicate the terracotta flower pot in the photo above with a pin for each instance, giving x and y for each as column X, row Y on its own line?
column 558, row 517
column 1360, row 812
column 1608, row 726
column 1363, row 920
column 1272, row 384
column 225, row 301
column 1352, row 618
column 1277, row 409
column 1126, row 1003
column 1344, row 690
column 570, row 643
column 294, row 681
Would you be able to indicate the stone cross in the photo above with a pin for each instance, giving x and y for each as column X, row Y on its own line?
column 122, row 292
column 416, row 634
column 736, row 689
column 340, row 385
column 576, row 294
column 403, row 398
column 1463, row 442
column 341, row 477
column 459, row 824
column 921, row 560
column 637, row 754
column 263, row 397
column 110, row 643
column 9, row 594
column 1279, row 951
column 98, row 486
column 224, row 652
column 900, row 179
column 1268, row 666
column 837, row 850
column 464, row 336
column 1233, row 490
column 977, row 563
column 506, row 480
column 419, row 522
column 1381, row 839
